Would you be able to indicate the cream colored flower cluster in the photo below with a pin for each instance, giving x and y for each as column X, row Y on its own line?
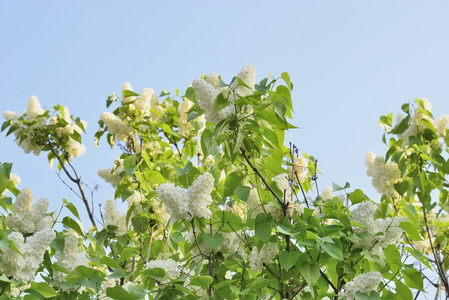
column 182, row 204
column 169, row 265
column 385, row 175
column 383, row 231
column 364, row 283
column 27, row 218
column 73, row 148
column 208, row 89
column 265, row 256
column 417, row 124
column 23, row 267
column 34, row 113
column 148, row 104
column 113, row 177
column 299, row 170
column 69, row 259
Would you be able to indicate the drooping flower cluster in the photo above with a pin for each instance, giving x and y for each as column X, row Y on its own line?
column 72, row 147
column 266, row 255
column 169, row 265
column 385, row 175
column 182, row 204
column 113, row 177
column 208, row 89
column 144, row 103
column 33, row 115
column 283, row 185
column 364, row 283
column 383, row 231
column 23, row 267
column 33, row 122
column 27, row 218
column 185, row 127
column 113, row 217
column 69, row 259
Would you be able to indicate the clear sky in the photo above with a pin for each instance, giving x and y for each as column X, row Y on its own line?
column 350, row 61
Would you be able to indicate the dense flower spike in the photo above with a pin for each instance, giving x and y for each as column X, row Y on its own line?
column 23, row 267
column 364, row 283
column 385, row 175
column 184, row 204
column 27, row 218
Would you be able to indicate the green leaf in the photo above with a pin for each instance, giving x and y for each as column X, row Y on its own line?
column 155, row 272
column 259, row 283
column 221, row 101
column 310, row 271
column 374, row 295
column 201, row 281
column 129, row 164
column 233, row 181
column 119, row 293
column 72, row 208
column 337, row 188
column 413, row 279
column 42, row 288
column 286, row 78
column 393, row 258
column 213, row 242
column 403, row 292
column 242, row 192
column 288, row 259
column 411, row 231
column 154, row 176
column 357, row 196
column 229, row 222
column 127, row 93
column 70, row 223
column 333, row 250
column 264, row 226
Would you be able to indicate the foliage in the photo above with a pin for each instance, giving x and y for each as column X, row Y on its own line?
column 245, row 218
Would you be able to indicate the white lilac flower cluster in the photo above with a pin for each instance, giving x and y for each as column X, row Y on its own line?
column 363, row 283
column 69, row 259
column 299, row 170
column 113, row 177
column 208, row 89
column 146, row 102
column 182, row 204
column 113, row 217
column 283, row 185
column 73, row 148
column 185, row 127
column 169, row 265
column 385, row 175
column 23, row 267
column 27, row 218
column 266, row 255
column 34, row 113
column 383, row 231
column 417, row 126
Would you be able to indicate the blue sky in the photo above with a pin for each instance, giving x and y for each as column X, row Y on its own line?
column 350, row 61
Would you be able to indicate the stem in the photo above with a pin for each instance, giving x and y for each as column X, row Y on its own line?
column 76, row 180
column 260, row 176
column 441, row 272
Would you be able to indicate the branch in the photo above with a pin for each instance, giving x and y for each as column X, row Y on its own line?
column 260, row 176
